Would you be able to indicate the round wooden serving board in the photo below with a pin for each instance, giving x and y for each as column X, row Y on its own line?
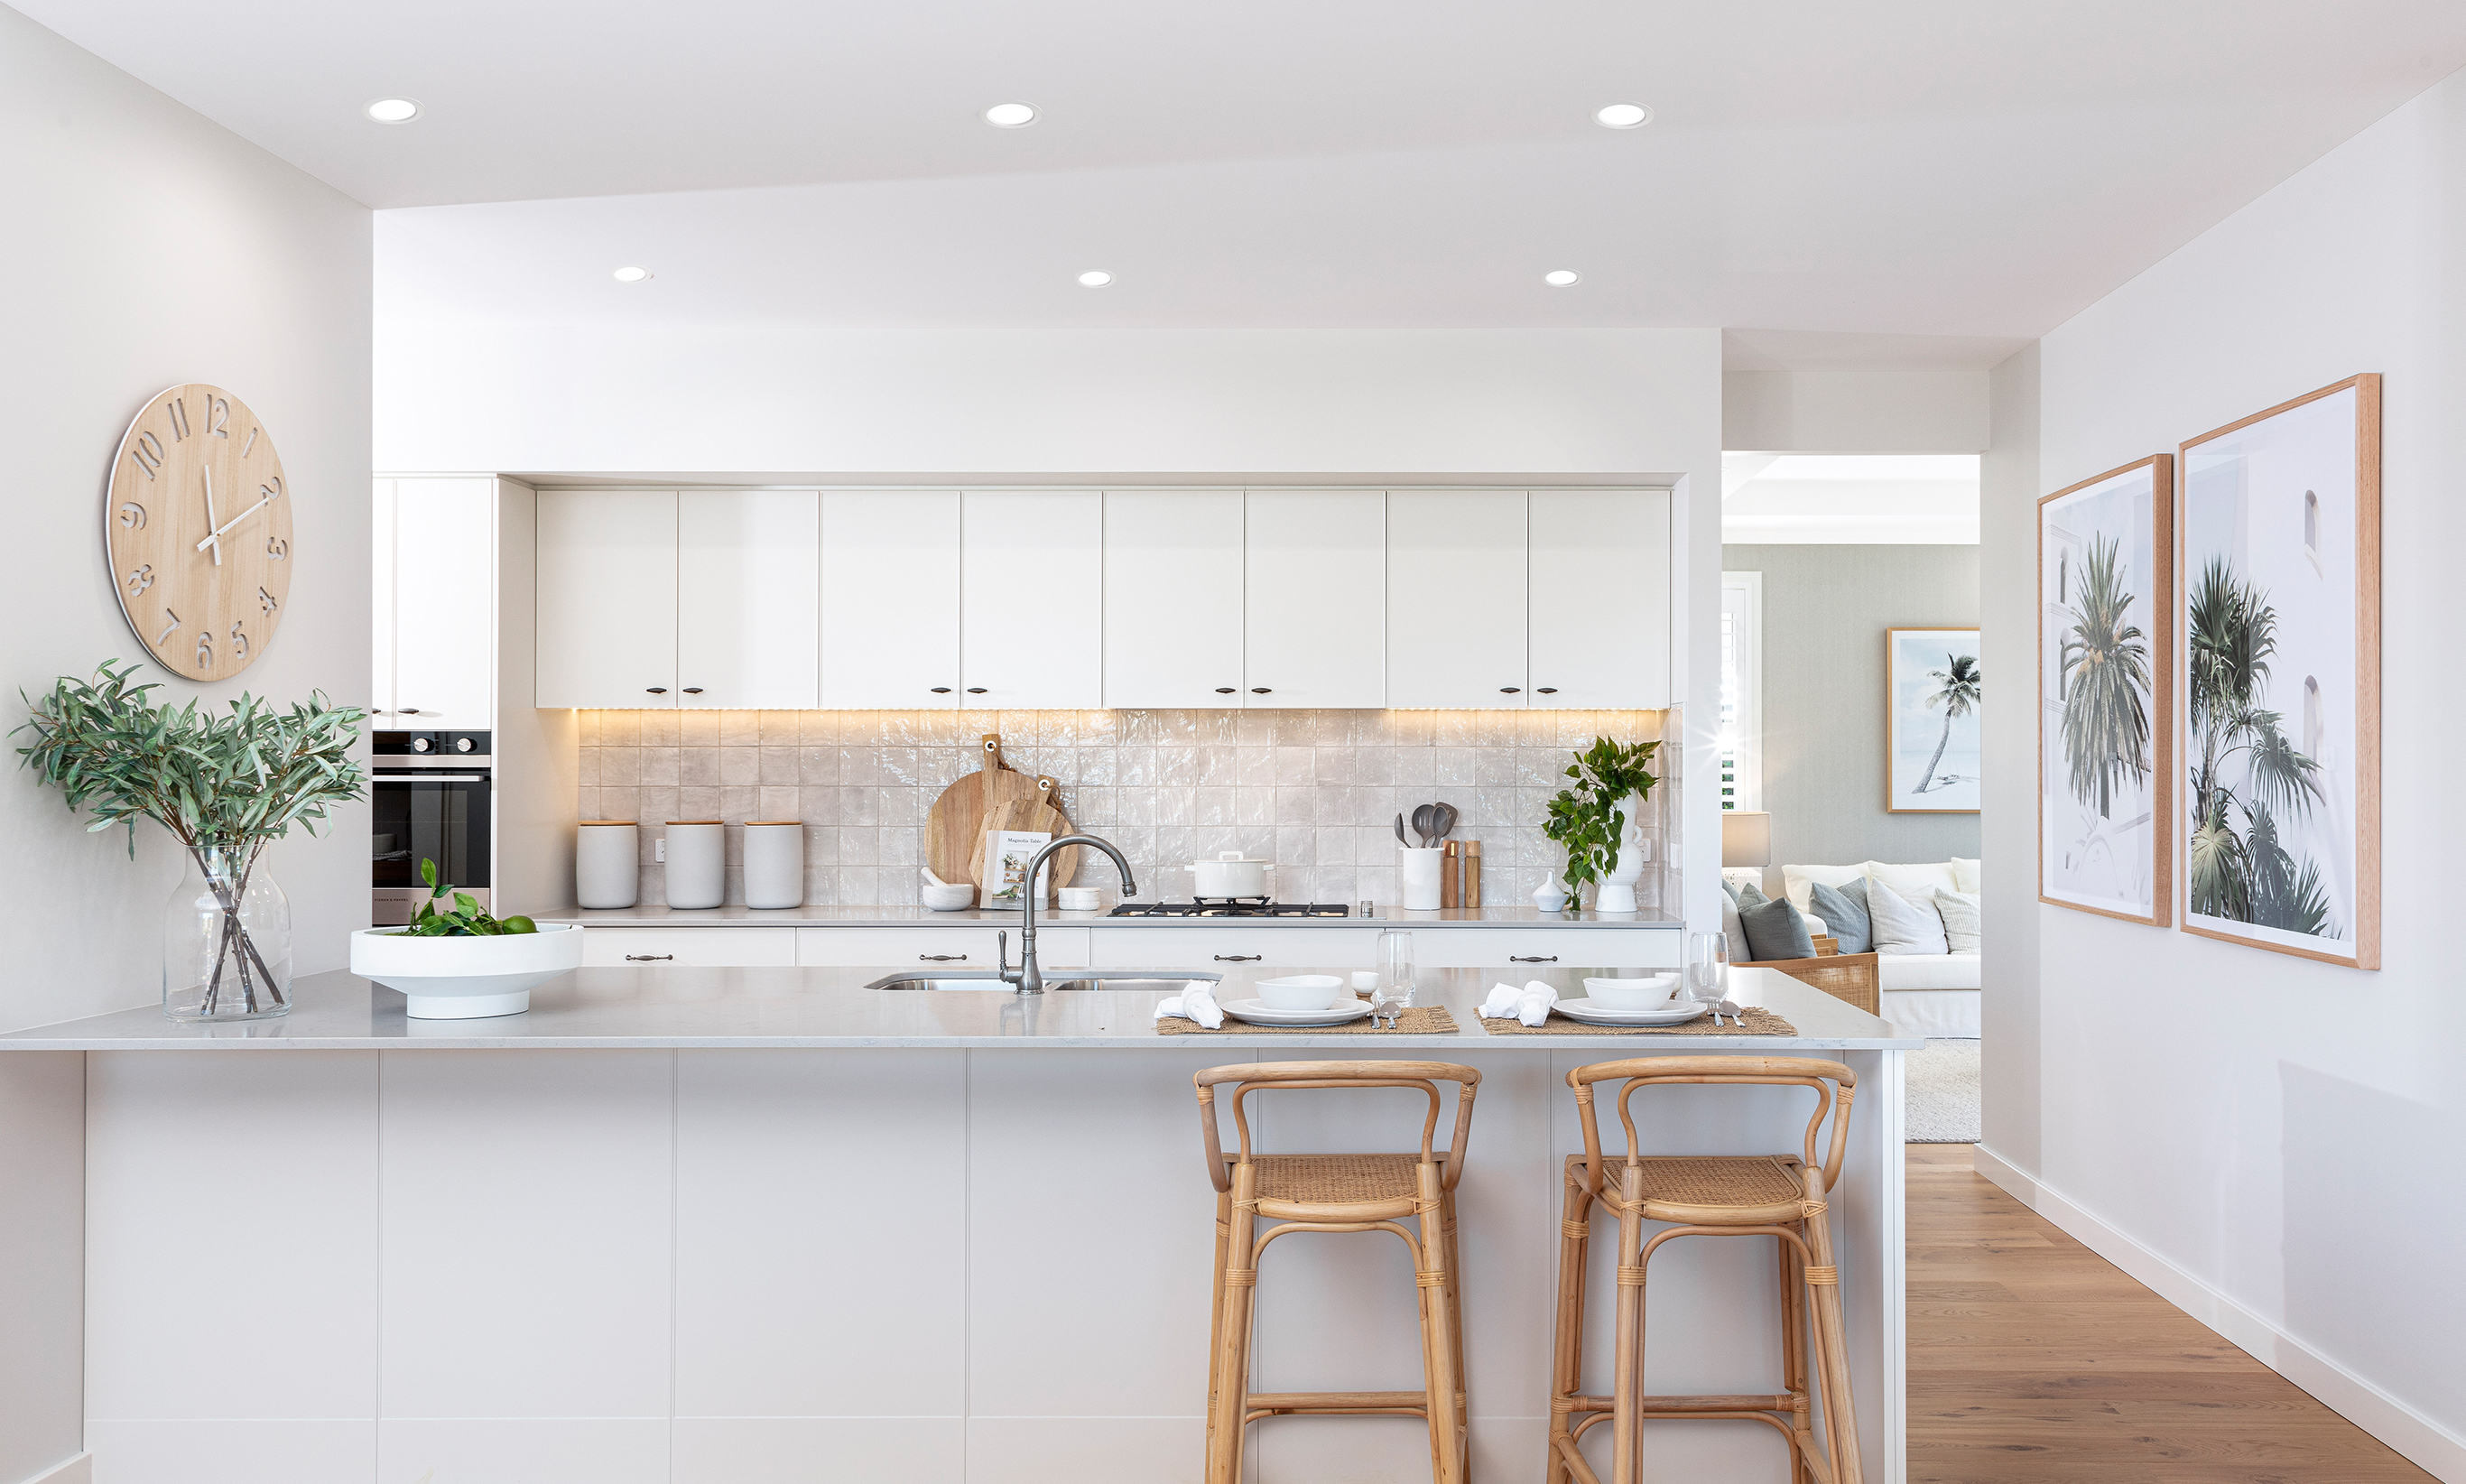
column 955, row 828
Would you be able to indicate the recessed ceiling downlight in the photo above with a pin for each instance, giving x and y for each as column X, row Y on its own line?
column 393, row 111
column 1010, row 116
column 1624, row 116
column 630, row 274
column 1561, row 278
column 1094, row 278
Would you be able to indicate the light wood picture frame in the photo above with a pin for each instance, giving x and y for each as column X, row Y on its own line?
column 1930, row 706
column 2278, row 661
column 2106, row 771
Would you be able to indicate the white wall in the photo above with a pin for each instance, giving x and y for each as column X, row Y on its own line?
column 2273, row 1141
column 1854, row 411
column 147, row 247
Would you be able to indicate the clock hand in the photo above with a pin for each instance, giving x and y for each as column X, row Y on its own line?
column 208, row 472
column 215, row 541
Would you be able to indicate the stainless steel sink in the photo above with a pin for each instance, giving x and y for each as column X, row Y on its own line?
column 1100, row 978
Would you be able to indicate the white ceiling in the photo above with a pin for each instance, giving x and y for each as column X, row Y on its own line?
column 1834, row 498
column 1966, row 172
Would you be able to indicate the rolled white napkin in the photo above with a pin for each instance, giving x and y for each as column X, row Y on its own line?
column 1530, row 1005
column 1196, row 1002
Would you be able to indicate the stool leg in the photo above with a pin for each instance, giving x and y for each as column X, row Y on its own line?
column 1229, row 1365
column 1626, row 1386
column 1567, row 1340
column 1832, row 1351
column 1438, row 1348
column 1454, row 1292
column 1793, row 1360
column 1216, row 1308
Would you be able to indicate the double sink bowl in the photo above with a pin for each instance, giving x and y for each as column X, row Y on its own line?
column 985, row 979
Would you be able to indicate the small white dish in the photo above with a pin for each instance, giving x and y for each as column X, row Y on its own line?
column 1078, row 899
column 1589, row 1013
column 1260, row 1013
column 1644, row 993
column 1300, row 991
column 1364, row 981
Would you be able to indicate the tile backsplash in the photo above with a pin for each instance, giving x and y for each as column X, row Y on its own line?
column 1317, row 792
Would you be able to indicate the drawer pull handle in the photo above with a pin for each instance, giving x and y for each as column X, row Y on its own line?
column 976, row 690
column 1507, row 690
column 1549, row 690
column 942, row 957
column 1261, row 690
column 941, row 691
column 693, row 690
column 655, row 690
column 1238, row 958
column 1536, row 958
column 1223, row 690
column 650, row 957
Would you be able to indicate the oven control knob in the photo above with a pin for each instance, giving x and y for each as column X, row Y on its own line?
column 420, row 744
column 462, row 744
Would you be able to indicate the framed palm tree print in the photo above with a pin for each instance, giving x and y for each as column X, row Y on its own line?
column 1930, row 693
column 2280, row 660
column 2106, row 565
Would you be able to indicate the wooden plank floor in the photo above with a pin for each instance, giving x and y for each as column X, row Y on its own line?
column 2033, row 1358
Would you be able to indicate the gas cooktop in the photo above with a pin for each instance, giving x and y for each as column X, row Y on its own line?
column 1231, row 907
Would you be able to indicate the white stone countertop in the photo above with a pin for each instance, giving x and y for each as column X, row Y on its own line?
column 626, row 1008
column 924, row 918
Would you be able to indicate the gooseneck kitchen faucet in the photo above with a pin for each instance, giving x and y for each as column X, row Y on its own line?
column 1027, row 978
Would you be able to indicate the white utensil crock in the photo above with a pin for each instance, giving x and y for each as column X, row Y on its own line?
column 697, row 863
column 1419, row 872
column 774, row 863
column 1230, row 874
column 607, row 864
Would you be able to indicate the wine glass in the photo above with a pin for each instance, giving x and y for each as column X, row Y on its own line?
column 1708, row 965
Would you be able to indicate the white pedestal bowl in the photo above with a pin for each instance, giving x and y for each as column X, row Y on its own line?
column 463, row 979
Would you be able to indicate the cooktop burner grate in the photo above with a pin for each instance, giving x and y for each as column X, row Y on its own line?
column 1231, row 907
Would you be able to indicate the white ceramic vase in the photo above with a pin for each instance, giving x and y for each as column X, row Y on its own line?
column 1617, row 891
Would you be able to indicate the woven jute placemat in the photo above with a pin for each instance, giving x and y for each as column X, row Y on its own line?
column 1428, row 1020
column 1759, row 1023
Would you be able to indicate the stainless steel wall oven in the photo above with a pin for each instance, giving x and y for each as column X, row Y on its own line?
column 431, row 791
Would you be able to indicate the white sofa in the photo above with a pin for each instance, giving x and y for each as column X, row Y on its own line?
column 1935, row 995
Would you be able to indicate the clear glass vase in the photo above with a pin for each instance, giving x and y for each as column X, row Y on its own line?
column 226, row 942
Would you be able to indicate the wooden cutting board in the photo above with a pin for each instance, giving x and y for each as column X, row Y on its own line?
column 955, row 828
column 1028, row 814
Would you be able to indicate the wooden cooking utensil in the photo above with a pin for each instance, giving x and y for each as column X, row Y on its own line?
column 955, row 828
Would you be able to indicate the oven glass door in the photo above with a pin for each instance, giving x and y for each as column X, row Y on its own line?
column 442, row 818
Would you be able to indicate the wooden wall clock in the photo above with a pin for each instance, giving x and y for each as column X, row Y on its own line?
column 198, row 524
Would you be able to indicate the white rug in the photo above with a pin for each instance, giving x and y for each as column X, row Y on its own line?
column 1939, row 1100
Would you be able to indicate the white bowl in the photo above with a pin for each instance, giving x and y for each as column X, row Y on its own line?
column 1079, row 899
column 1651, row 994
column 949, row 899
column 1301, row 991
column 465, row 978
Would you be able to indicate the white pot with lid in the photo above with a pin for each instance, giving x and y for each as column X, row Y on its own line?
column 1230, row 874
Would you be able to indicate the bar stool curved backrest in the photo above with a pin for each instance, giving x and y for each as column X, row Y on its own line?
column 1366, row 1192
column 1834, row 1084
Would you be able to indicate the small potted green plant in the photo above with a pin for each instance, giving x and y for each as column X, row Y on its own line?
column 1597, row 822
column 463, row 964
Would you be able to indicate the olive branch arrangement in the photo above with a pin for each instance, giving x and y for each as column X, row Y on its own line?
column 1585, row 818
column 223, row 785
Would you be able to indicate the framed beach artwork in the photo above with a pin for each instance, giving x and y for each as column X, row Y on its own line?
column 2106, row 562
column 2279, row 701
column 1931, row 681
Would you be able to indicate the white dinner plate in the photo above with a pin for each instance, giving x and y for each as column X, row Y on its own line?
column 1258, row 1012
column 1591, row 1014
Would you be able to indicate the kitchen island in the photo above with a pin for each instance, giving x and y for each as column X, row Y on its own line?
column 766, row 1224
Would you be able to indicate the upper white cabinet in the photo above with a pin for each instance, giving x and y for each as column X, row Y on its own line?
column 1597, row 574
column 748, row 581
column 1173, row 599
column 435, row 588
column 1314, row 597
column 890, row 599
column 607, row 597
column 1032, row 598
column 1455, row 598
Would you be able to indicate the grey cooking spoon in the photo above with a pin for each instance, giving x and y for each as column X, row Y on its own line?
column 1426, row 824
column 1447, row 821
column 1399, row 833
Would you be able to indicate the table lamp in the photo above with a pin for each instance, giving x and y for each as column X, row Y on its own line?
column 1746, row 837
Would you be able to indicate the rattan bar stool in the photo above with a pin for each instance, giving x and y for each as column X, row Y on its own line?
column 1778, row 1195
column 1335, row 1193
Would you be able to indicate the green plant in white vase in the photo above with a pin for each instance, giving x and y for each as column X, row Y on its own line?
column 224, row 786
column 1594, row 819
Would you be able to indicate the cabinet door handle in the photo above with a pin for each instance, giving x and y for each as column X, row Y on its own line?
column 650, row 957
column 941, row 691
column 976, row 690
column 1508, row 690
column 656, row 691
column 693, row 690
column 408, row 711
column 1260, row 690
column 1223, row 690
column 1536, row 958
column 1548, row 690
column 941, row 957
column 1238, row 958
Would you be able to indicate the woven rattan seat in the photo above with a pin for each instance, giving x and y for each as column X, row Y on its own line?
column 1711, row 1190
column 1337, row 1180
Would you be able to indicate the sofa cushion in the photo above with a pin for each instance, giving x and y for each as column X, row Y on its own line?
column 1844, row 909
column 1954, row 1013
column 1904, row 925
column 1798, row 880
column 1965, row 875
column 1928, row 971
column 1775, row 930
column 1915, row 879
column 1958, row 911
column 1733, row 931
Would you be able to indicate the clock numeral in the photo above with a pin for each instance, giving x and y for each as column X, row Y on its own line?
column 149, row 453
column 250, row 443
column 132, row 515
column 271, row 489
column 240, row 641
column 179, row 412
column 265, row 600
column 205, row 649
column 170, row 628
column 277, row 549
column 218, row 416
column 140, row 580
